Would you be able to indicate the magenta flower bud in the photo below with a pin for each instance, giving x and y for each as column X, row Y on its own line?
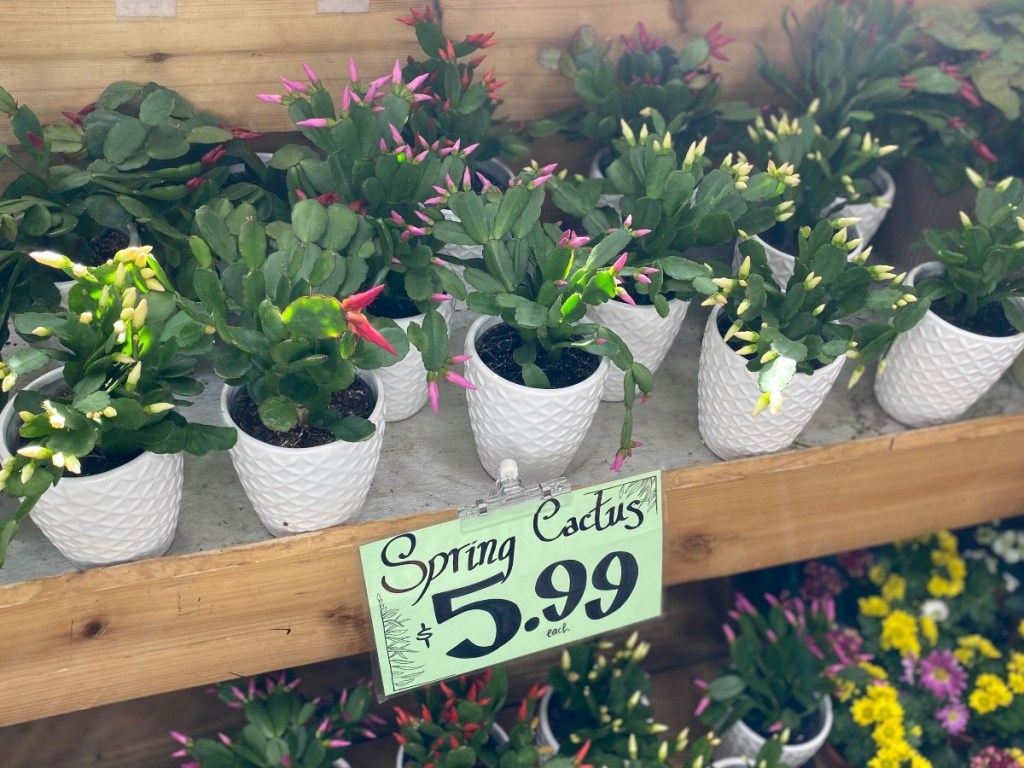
column 418, row 231
column 371, row 93
column 702, row 684
column 396, row 134
column 417, row 81
column 440, row 297
column 353, row 70
column 617, row 462
column 314, row 122
column 467, row 181
column 628, row 222
column 395, row 217
column 461, row 359
column 338, row 743
column 484, row 181
column 468, row 150
column 377, row 110
column 744, row 605
column 424, row 218
column 433, row 201
column 432, row 393
column 562, row 284
column 775, row 727
column 179, row 737
column 310, row 73
column 396, row 73
column 730, row 635
column 395, row 260
column 180, row 753
column 270, row 98
column 383, row 146
column 649, row 270
column 703, row 704
column 421, row 156
column 642, row 278
column 540, row 181
column 322, row 728
column 641, row 232
column 771, row 599
column 578, row 241
column 224, row 739
column 620, row 262
column 346, row 99
column 454, row 378
column 293, row 86
column 599, row 341
column 772, row 637
column 457, row 145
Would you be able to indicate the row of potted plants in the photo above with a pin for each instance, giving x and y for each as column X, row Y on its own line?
column 909, row 654
column 320, row 291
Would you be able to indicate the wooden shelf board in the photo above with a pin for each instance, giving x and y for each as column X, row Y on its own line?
column 84, row 639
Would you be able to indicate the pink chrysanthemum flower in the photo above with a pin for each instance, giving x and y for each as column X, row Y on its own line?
column 941, row 673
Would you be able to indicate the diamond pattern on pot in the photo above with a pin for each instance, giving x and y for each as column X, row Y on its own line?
column 540, row 428
column 727, row 392
column 305, row 489
column 783, row 264
column 936, row 371
column 405, row 382
column 129, row 513
column 871, row 216
column 648, row 335
column 742, row 741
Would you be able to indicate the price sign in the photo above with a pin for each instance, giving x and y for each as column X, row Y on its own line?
column 471, row 593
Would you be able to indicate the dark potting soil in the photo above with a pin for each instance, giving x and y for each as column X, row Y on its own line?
column 990, row 321
column 357, row 400
column 394, row 307
column 497, row 344
column 103, row 246
column 809, row 727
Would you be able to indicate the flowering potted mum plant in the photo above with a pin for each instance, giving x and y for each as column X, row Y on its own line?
column 284, row 727
column 975, row 324
column 679, row 207
column 365, row 162
column 289, row 315
column 761, row 340
column 103, row 429
column 775, row 680
column 938, row 678
column 649, row 74
column 536, row 366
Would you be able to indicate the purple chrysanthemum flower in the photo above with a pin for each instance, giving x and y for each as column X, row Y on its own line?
column 908, row 663
column 942, row 674
column 953, row 717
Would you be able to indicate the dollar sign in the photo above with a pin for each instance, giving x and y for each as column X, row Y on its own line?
column 424, row 634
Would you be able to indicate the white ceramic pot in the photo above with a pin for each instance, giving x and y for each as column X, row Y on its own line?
column 742, row 741
column 782, row 264
column 1018, row 371
column 540, row 428
column 128, row 513
column 498, row 736
column 727, row 392
column 871, row 216
column 597, row 172
column 647, row 334
column 405, row 382
column 305, row 489
column 936, row 371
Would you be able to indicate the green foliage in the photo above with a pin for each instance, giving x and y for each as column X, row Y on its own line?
column 285, row 303
column 648, row 75
column 827, row 310
column 123, row 346
column 284, row 728
column 983, row 262
column 776, row 675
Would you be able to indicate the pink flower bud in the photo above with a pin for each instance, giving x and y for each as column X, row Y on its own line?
column 293, row 86
column 454, row 378
column 432, row 393
column 730, row 635
column 440, row 297
column 310, row 73
column 353, row 70
column 461, row 359
column 270, row 98
column 314, row 122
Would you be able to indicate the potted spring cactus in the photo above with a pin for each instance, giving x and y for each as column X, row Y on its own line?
column 364, row 161
column 535, row 367
column 454, row 724
column 284, row 728
column 649, row 74
column 761, row 340
column 825, row 173
column 285, row 304
column 974, row 326
column 682, row 208
column 775, row 681
column 104, row 429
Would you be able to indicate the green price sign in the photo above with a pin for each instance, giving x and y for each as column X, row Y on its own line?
column 479, row 591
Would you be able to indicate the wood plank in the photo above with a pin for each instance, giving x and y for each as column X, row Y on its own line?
column 61, row 55
column 117, row 633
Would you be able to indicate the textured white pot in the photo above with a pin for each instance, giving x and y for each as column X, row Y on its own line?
column 727, row 392
column 1018, row 371
column 305, row 489
column 647, row 334
column 498, row 736
column 742, row 741
column 128, row 513
column 871, row 216
column 936, row 371
column 540, row 428
column 782, row 264
column 604, row 201
column 405, row 382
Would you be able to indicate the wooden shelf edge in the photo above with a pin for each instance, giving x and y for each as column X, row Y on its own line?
column 84, row 639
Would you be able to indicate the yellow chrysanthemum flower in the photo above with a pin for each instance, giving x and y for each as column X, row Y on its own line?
column 946, row 541
column 929, row 630
column 1016, row 682
column 939, row 558
column 981, row 701
column 845, row 690
column 994, row 686
column 877, row 672
column 877, row 574
column 882, row 693
column 1020, row 628
column 889, row 732
column 965, row 656
column 899, row 632
column 1016, row 663
column 980, row 644
column 895, row 588
column 888, row 710
column 917, row 761
column 887, row 757
column 863, row 712
column 957, row 569
column 873, row 606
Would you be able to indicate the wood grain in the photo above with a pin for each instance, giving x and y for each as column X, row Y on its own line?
column 60, row 56
column 84, row 639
